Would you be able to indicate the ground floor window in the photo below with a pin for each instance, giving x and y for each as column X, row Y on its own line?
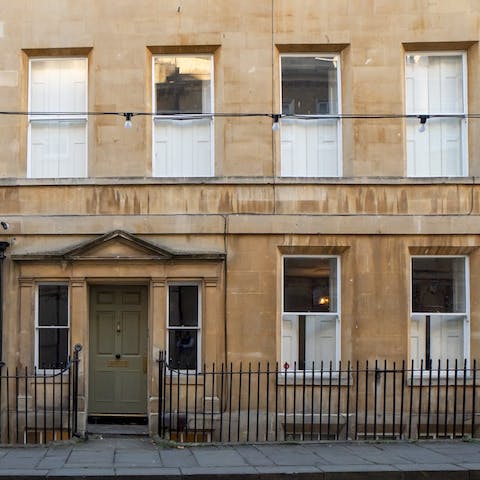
column 183, row 326
column 311, row 312
column 52, row 329
column 439, row 327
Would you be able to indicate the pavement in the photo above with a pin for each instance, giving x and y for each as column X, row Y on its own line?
column 134, row 458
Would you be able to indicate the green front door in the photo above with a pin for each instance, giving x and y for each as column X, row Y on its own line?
column 118, row 350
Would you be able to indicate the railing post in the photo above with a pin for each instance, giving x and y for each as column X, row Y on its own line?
column 2, row 364
column 76, row 350
column 161, row 364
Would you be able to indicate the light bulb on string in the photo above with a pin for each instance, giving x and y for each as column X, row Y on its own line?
column 423, row 123
column 128, row 120
column 276, row 122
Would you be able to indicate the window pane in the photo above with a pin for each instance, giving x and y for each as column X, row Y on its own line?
column 53, row 305
column 310, row 284
column 182, row 84
column 309, row 85
column 53, row 347
column 182, row 348
column 183, row 305
column 438, row 285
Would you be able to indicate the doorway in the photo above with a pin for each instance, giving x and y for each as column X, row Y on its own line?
column 118, row 350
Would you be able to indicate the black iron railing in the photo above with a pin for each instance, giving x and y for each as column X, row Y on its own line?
column 41, row 405
column 355, row 401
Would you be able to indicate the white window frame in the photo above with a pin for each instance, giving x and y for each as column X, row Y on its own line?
column 38, row 327
column 198, row 328
column 180, row 117
column 464, row 121
column 337, row 314
column 335, row 57
column 465, row 315
column 60, row 117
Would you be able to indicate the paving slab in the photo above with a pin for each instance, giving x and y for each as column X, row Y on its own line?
column 178, row 458
column 218, row 457
column 137, row 458
column 334, row 454
column 289, row 454
column 252, row 455
column 375, row 454
column 411, row 453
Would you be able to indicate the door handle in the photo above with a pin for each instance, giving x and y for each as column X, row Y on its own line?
column 117, row 356
column 118, row 327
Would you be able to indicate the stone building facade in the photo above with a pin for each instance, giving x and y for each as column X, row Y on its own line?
column 344, row 234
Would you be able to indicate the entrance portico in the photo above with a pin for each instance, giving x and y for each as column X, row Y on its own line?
column 118, row 310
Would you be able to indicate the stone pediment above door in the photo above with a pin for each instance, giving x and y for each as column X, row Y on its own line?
column 117, row 245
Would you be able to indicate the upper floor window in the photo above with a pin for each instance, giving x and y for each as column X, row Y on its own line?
column 440, row 313
column 57, row 133
column 53, row 322
column 183, row 130
column 310, row 144
column 311, row 312
column 436, row 85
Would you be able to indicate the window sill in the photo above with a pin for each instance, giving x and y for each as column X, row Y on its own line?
column 434, row 380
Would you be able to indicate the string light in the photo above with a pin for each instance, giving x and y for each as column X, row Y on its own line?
column 128, row 120
column 276, row 124
column 423, row 123
column 128, row 116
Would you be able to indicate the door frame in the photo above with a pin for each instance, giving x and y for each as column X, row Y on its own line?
column 89, row 366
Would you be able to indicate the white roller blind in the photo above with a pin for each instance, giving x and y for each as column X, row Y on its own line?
column 183, row 148
column 58, row 87
column 309, row 148
column 320, row 340
column 290, row 339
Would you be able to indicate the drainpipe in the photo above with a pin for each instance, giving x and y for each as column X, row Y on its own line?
column 3, row 247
